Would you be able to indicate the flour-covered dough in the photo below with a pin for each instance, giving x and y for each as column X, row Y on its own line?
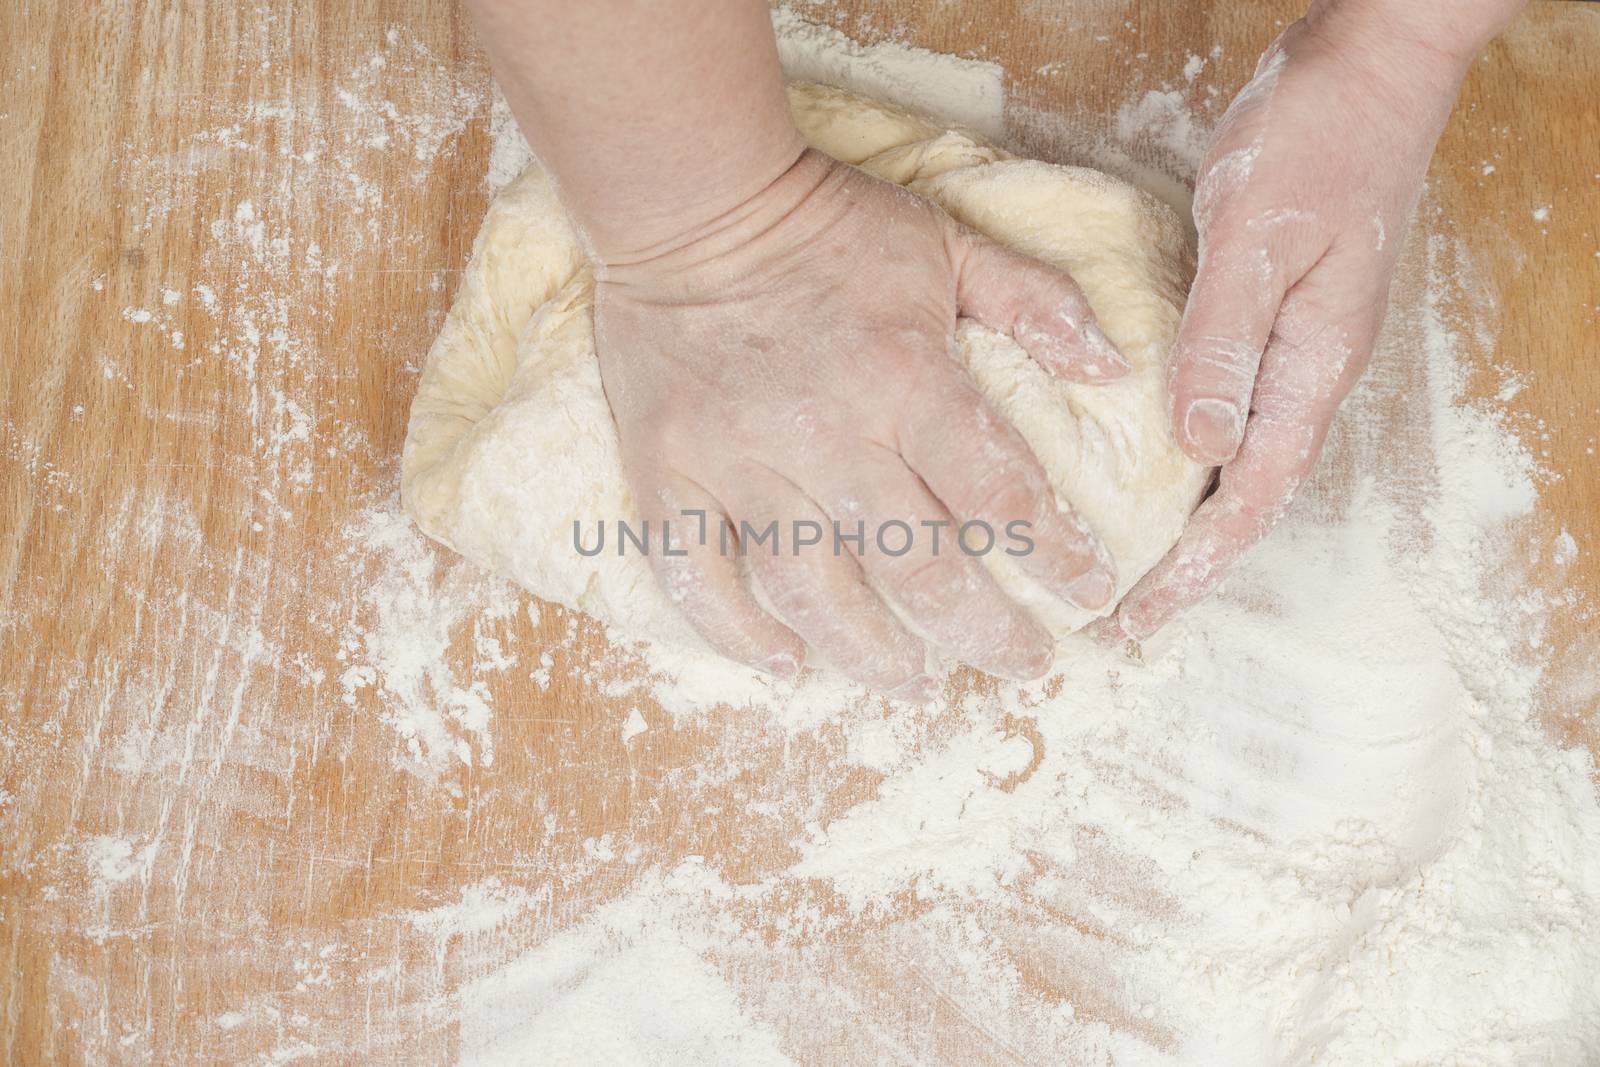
column 511, row 440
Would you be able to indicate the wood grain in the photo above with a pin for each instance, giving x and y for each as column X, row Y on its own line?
column 227, row 236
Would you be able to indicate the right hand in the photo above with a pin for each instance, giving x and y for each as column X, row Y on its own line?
column 792, row 361
column 1302, row 205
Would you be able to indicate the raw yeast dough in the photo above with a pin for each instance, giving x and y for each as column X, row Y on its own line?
column 511, row 441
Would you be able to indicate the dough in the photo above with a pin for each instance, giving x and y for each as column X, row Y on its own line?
column 511, row 440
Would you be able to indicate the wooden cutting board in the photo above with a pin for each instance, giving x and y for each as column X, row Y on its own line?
column 227, row 236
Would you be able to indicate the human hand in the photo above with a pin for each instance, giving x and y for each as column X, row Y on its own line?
column 791, row 361
column 1301, row 204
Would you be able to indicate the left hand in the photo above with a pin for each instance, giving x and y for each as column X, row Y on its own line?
column 1302, row 202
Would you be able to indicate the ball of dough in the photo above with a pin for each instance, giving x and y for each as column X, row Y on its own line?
column 511, row 440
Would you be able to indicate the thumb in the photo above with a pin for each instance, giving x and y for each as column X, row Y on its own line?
column 1041, row 307
column 1226, row 325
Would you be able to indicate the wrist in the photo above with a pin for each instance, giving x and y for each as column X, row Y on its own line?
column 640, row 220
column 708, row 253
column 650, row 117
column 1445, row 34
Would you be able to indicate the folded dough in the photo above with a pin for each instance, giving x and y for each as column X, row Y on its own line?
column 510, row 438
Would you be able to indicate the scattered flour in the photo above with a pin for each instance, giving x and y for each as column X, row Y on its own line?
column 1566, row 549
column 398, row 646
column 962, row 92
column 1164, row 118
column 482, row 907
column 633, row 726
column 1320, row 822
column 115, row 859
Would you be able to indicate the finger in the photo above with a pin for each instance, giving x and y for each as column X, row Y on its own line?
column 822, row 594
column 1252, row 493
column 1313, row 360
column 687, row 531
column 908, row 546
column 980, row 468
column 1246, row 266
column 1040, row 306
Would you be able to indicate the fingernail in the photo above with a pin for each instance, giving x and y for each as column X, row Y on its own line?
column 784, row 665
column 1092, row 589
column 919, row 690
column 1213, row 428
column 1101, row 348
column 1106, row 632
column 1027, row 653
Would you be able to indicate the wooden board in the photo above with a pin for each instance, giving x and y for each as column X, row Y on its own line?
column 227, row 236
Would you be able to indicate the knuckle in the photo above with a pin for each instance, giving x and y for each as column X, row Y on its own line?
column 1214, row 197
column 1011, row 497
column 794, row 596
column 1213, row 365
column 1056, row 286
column 666, row 430
column 685, row 582
column 721, row 630
column 887, row 665
column 901, row 344
column 1067, row 546
column 899, row 369
column 1225, row 357
column 818, row 429
column 1263, row 494
column 1239, row 278
column 931, row 585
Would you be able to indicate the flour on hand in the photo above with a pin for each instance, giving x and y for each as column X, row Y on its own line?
column 511, row 442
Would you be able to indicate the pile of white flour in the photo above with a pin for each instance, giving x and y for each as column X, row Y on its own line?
column 1321, row 823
